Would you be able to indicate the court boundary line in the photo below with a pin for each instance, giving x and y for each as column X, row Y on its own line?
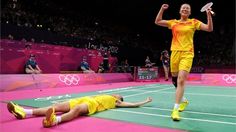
column 121, row 90
column 147, row 92
column 152, row 86
column 194, row 112
column 116, row 90
column 130, row 88
column 194, row 119
column 222, row 115
column 202, row 94
column 55, row 101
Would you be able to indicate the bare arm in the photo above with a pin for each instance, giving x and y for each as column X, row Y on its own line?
column 161, row 58
column 209, row 26
column 159, row 21
column 83, row 68
column 38, row 68
column 30, row 67
column 136, row 104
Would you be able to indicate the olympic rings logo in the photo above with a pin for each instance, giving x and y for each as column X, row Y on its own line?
column 229, row 78
column 69, row 79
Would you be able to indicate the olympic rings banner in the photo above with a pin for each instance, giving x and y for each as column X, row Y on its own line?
column 11, row 82
column 219, row 79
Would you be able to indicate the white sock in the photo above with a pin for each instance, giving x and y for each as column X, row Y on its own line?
column 183, row 99
column 176, row 106
column 28, row 111
column 58, row 119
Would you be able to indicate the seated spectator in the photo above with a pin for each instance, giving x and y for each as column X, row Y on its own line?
column 148, row 63
column 101, row 68
column 28, row 46
column 32, row 40
column 31, row 66
column 84, row 66
column 23, row 40
column 125, row 66
column 10, row 37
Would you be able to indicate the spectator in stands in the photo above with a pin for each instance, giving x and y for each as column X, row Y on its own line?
column 125, row 66
column 84, row 66
column 32, row 40
column 166, row 63
column 28, row 46
column 31, row 66
column 10, row 37
column 101, row 68
column 106, row 62
column 148, row 63
column 23, row 40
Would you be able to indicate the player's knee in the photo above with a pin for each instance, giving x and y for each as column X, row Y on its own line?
column 181, row 80
column 75, row 111
column 80, row 110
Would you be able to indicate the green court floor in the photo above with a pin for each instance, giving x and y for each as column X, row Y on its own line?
column 210, row 109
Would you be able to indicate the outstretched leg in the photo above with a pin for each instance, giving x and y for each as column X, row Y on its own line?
column 78, row 110
column 60, row 107
column 21, row 113
column 51, row 119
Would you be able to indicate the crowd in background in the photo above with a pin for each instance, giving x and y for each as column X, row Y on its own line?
column 217, row 48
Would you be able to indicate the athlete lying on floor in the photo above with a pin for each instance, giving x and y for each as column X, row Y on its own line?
column 73, row 108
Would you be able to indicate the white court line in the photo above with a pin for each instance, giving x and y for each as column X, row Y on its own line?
column 130, row 87
column 193, row 119
column 147, row 92
column 118, row 90
column 202, row 113
column 212, row 121
column 143, row 89
column 202, row 94
column 174, row 92
column 122, row 90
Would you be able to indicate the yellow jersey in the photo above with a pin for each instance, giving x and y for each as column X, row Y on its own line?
column 95, row 103
column 105, row 102
column 183, row 33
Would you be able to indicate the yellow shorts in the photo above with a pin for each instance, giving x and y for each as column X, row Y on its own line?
column 92, row 104
column 181, row 60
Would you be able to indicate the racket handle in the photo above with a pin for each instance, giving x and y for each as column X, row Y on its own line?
column 213, row 13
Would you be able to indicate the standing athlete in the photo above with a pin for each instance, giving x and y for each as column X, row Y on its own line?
column 182, row 49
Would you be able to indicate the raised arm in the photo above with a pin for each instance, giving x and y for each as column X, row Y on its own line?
column 159, row 21
column 209, row 26
column 136, row 104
